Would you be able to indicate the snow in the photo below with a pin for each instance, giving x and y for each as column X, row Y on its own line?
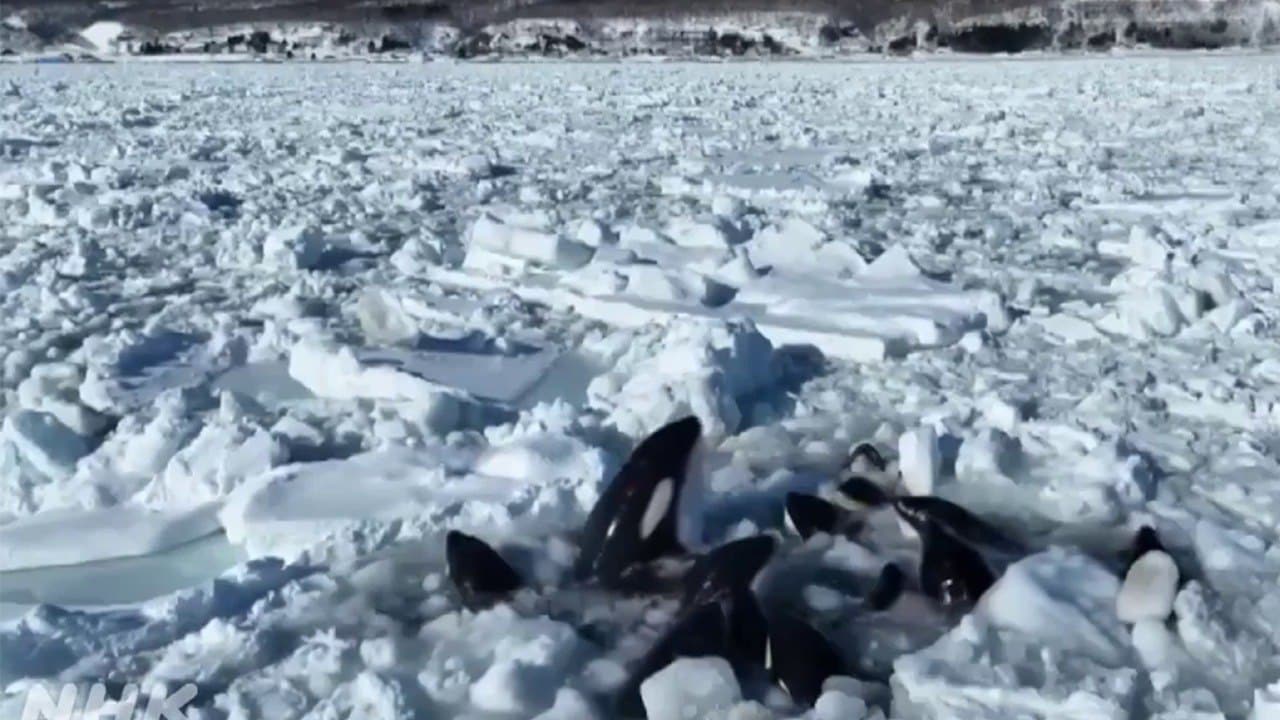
column 1148, row 589
column 334, row 371
column 690, row 688
column 494, row 242
column 1047, row 616
column 301, row 507
column 569, row 705
column 269, row 332
column 702, row 367
column 500, row 662
column 294, row 248
column 1266, row 703
column 103, row 34
column 918, row 460
column 68, row 537
column 41, row 441
column 836, row 705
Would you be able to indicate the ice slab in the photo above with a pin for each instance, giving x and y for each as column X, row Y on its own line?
column 1050, row 615
column 119, row 581
column 287, row 510
column 504, row 377
column 70, row 536
column 419, row 374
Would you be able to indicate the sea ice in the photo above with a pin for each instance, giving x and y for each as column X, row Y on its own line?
column 1148, row 589
column 336, row 310
column 690, row 688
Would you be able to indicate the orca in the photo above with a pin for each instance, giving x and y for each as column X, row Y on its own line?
column 868, row 452
column 729, row 567
column 864, row 492
column 922, row 510
column 747, row 631
column 808, row 515
column 701, row 632
column 635, row 519
column 479, row 573
column 799, row 658
column 888, row 588
column 951, row 572
column 1144, row 542
column 731, row 626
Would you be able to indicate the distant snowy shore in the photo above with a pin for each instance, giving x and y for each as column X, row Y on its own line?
column 268, row 334
column 1067, row 26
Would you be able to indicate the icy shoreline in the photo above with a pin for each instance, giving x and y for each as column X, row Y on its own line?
column 600, row 31
column 919, row 56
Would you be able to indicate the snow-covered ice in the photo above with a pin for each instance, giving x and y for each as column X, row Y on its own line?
column 268, row 333
column 690, row 687
column 1148, row 589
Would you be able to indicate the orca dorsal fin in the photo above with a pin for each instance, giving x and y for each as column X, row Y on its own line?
column 864, row 492
column 728, row 568
column 635, row 519
column 951, row 572
column 800, row 659
column 888, row 587
column 479, row 573
column 808, row 515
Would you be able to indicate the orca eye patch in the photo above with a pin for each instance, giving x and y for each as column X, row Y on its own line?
column 659, row 504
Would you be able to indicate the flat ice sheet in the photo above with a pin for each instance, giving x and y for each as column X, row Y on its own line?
column 70, row 537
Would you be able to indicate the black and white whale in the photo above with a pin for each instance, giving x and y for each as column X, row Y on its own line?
column 1144, row 541
column 479, row 573
column 748, row 630
column 799, row 658
column 920, row 510
column 796, row 656
column 888, row 588
column 700, row 632
column 720, row 615
column 634, row 523
column 807, row 515
column 862, row 492
column 867, row 453
column 729, row 567
column 635, row 519
column 951, row 572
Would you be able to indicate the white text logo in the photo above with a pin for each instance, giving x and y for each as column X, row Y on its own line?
column 127, row 705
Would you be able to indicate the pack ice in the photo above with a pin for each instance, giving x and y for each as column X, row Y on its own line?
column 268, row 333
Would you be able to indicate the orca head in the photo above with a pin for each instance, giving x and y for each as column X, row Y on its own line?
column 864, row 492
column 807, row 515
column 729, row 567
column 1144, row 542
column 923, row 510
column 799, row 658
column 951, row 572
column 478, row 571
column 916, row 510
column 634, row 520
column 868, row 453
column 888, row 587
column 702, row 631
